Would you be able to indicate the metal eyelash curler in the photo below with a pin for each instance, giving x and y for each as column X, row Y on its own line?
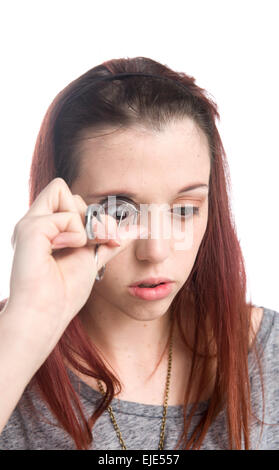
column 94, row 209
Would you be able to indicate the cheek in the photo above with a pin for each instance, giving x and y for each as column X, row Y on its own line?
column 193, row 239
column 201, row 227
column 200, row 222
column 199, row 234
column 185, row 259
column 192, row 232
column 115, row 268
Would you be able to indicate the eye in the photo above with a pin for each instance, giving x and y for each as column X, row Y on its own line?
column 187, row 210
column 125, row 212
column 122, row 211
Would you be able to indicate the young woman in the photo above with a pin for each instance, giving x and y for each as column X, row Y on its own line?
column 88, row 360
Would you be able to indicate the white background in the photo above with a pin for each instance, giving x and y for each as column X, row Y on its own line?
column 230, row 47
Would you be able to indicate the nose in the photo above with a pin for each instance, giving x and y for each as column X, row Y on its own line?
column 157, row 245
column 152, row 250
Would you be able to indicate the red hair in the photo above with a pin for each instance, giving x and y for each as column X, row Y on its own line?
column 217, row 282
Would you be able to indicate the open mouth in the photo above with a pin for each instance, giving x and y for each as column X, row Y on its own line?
column 150, row 285
column 152, row 291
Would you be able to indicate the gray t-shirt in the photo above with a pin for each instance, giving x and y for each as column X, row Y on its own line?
column 140, row 423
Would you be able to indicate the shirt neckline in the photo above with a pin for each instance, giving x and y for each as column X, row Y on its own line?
column 143, row 409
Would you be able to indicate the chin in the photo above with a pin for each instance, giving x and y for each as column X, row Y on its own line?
column 147, row 313
column 147, row 317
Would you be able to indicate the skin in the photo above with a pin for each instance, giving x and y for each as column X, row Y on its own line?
column 132, row 333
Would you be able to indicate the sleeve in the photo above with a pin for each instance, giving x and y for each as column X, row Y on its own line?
column 13, row 436
column 272, row 386
column 264, row 380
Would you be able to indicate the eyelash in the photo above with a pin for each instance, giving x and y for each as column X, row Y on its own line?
column 193, row 209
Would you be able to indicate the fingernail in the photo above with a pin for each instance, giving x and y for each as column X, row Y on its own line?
column 115, row 242
column 56, row 246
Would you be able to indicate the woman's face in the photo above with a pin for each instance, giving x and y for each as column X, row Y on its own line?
column 154, row 167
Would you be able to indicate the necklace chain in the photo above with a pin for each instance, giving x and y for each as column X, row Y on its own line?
column 163, row 425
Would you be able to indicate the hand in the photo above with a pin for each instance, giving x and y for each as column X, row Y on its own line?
column 54, row 283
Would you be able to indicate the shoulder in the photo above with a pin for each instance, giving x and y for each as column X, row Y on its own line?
column 13, row 435
column 264, row 325
column 256, row 317
column 256, row 320
column 264, row 328
column 264, row 379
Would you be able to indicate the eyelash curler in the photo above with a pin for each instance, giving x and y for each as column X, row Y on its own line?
column 94, row 209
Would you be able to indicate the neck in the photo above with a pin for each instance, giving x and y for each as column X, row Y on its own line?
column 126, row 342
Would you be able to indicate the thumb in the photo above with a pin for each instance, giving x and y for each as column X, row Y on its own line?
column 125, row 236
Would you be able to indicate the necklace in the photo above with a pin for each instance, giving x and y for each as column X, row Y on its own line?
column 163, row 425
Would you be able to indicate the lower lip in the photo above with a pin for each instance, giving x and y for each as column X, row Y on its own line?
column 152, row 293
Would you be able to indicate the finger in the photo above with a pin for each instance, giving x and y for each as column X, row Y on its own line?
column 104, row 231
column 71, row 238
column 55, row 197
column 50, row 227
column 106, row 252
column 108, row 231
column 81, row 206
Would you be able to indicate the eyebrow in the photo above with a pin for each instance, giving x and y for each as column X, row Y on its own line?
column 118, row 192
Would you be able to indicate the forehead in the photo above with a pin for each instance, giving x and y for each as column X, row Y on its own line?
column 138, row 158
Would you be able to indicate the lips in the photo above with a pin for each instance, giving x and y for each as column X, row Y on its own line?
column 151, row 281
column 159, row 292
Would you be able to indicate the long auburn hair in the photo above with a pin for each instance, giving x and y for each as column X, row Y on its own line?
column 217, row 282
